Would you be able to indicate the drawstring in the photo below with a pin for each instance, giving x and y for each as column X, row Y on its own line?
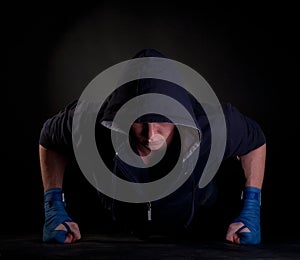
column 112, row 199
column 193, row 201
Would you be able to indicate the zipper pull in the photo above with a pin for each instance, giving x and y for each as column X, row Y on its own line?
column 149, row 211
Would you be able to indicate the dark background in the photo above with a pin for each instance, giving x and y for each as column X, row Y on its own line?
column 53, row 50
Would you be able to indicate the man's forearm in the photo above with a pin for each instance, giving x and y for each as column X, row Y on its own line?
column 253, row 165
column 53, row 166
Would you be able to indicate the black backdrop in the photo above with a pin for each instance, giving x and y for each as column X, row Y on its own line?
column 53, row 50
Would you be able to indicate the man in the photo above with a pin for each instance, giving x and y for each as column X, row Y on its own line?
column 184, row 142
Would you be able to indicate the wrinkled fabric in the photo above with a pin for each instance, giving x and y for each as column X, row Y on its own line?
column 55, row 214
column 250, row 216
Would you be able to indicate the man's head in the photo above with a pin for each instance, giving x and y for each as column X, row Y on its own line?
column 155, row 109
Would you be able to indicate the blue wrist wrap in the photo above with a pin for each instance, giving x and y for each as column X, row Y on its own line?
column 250, row 216
column 55, row 214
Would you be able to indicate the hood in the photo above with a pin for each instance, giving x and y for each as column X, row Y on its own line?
column 142, row 87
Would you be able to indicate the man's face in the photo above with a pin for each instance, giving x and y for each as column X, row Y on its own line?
column 152, row 136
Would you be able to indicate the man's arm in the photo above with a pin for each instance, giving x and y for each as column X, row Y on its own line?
column 53, row 166
column 253, row 164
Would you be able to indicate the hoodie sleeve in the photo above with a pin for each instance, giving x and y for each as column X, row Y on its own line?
column 243, row 133
column 56, row 133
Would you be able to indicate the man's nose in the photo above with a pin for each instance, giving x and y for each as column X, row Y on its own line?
column 152, row 129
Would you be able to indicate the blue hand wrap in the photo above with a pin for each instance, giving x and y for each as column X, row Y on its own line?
column 250, row 216
column 55, row 214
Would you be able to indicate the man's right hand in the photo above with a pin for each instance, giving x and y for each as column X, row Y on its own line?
column 72, row 233
column 58, row 227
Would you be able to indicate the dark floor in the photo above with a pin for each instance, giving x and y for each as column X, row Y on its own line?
column 123, row 246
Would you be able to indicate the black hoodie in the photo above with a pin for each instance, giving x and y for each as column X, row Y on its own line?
column 243, row 135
